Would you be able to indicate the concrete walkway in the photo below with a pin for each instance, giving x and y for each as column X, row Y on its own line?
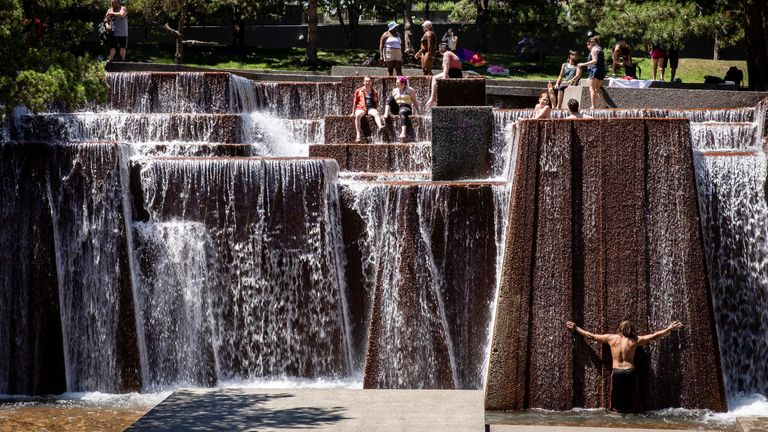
column 316, row 409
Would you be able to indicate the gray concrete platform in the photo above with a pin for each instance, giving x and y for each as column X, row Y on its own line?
column 316, row 409
column 522, row 428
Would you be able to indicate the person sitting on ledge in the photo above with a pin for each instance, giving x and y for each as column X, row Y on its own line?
column 402, row 101
column 366, row 101
column 623, row 345
column 451, row 69
column 573, row 109
column 543, row 108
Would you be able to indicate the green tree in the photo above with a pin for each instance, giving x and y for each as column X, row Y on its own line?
column 160, row 12
column 43, row 61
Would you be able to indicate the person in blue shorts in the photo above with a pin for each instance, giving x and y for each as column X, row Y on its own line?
column 596, row 68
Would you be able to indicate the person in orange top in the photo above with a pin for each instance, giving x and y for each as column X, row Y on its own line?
column 366, row 102
column 451, row 69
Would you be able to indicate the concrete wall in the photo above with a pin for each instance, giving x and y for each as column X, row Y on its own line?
column 665, row 98
column 604, row 226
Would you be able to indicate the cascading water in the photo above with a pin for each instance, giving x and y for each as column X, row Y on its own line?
column 251, row 249
column 85, row 193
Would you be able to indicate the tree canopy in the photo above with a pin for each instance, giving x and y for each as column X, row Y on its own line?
column 43, row 62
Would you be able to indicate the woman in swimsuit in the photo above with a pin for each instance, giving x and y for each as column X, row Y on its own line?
column 391, row 49
column 596, row 68
column 569, row 75
column 659, row 56
column 427, row 52
column 451, row 69
column 402, row 101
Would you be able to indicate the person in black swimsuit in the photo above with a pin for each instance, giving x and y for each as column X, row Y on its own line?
column 428, row 51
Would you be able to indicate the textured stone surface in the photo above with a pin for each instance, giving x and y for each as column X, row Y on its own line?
column 601, row 232
column 507, row 97
column 461, row 92
column 406, row 314
column 461, row 142
column 341, row 130
column 377, row 158
column 30, row 341
column 665, row 98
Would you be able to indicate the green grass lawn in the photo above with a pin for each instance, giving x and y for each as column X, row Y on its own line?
column 690, row 70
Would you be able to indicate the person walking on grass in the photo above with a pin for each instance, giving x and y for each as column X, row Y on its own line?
column 596, row 67
column 623, row 345
column 428, row 50
column 365, row 103
column 391, row 49
column 116, row 19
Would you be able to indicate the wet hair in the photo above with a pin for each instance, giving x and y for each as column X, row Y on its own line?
column 444, row 44
column 625, row 327
column 595, row 40
column 573, row 53
column 573, row 105
column 546, row 95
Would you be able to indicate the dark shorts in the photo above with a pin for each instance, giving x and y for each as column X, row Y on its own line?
column 624, row 390
column 455, row 73
column 562, row 87
column 404, row 111
column 118, row 42
column 596, row 74
column 673, row 58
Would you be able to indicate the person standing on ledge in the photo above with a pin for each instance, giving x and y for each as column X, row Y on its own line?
column 451, row 69
column 623, row 345
column 428, row 50
column 596, row 68
column 117, row 14
column 391, row 49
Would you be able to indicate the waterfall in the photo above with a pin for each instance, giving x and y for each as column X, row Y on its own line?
column 246, row 253
column 734, row 215
column 85, row 194
column 431, row 302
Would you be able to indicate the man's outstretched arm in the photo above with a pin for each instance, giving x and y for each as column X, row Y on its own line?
column 604, row 338
column 646, row 339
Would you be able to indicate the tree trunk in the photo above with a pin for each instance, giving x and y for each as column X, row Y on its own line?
column 180, row 32
column 407, row 24
column 311, row 57
column 426, row 9
column 238, row 28
column 755, row 27
column 481, row 22
column 354, row 24
column 716, row 52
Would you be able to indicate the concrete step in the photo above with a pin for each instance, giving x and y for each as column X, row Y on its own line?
column 377, row 158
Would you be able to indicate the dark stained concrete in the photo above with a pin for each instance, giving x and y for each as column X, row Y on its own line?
column 604, row 225
column 376, row 157
column 462, row 138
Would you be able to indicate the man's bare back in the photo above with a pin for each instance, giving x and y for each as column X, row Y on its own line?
column 624, row 343
column 624, row 395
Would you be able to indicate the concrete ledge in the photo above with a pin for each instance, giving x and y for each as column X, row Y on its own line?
column 361, row 71
column 665, row 98
column 340, row 410
column 461, row 142
column 460, row 92
column 341, row 130
column 376, row 158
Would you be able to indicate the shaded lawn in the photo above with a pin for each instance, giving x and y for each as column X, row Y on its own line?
column 292, row 59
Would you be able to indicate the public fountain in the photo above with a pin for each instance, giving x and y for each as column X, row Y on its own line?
column 180, row 236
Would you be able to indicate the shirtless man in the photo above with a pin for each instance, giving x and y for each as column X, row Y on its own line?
column 623, row 344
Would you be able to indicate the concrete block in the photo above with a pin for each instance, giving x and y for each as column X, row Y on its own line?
column 664, row 98
column 593, row 228
column 368, row 158
column 460, row 92
column 461, row 142
column 336, row 152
